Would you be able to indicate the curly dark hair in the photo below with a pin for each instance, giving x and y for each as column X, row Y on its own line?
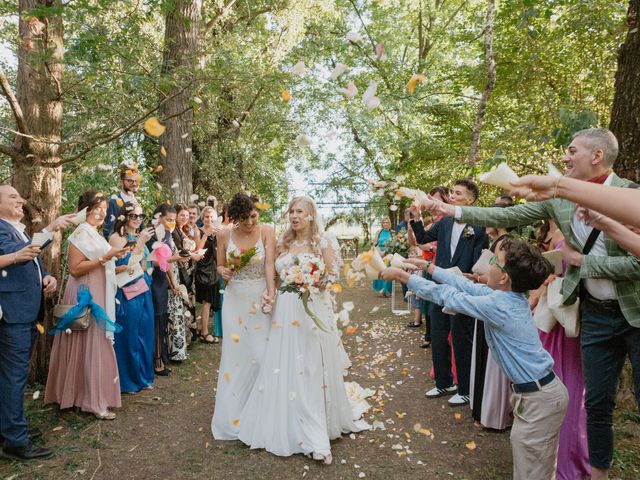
column 526, row 266
column 241, row 206
column 90, row 200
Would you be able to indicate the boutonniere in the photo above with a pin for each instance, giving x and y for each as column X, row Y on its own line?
column 468, row 232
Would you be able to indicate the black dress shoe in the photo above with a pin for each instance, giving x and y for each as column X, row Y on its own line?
column 34, row 434
column 28, row 452
column 163, row 373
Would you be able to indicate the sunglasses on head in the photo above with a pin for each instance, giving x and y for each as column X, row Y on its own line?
column 136, row 216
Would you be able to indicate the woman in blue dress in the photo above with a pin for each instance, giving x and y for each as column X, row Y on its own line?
column 380, row 242
column 134, row 303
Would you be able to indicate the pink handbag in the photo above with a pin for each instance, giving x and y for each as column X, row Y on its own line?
column 135, row 289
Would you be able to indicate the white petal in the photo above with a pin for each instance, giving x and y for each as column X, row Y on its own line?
column 339, row 69
column 299, row 68
column 353, row 36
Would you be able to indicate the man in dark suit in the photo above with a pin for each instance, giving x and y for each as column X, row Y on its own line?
column 459, row 245
column 130, row 183
column 22, row 285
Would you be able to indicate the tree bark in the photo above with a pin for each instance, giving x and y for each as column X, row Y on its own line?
column 625, row 111
column 179, row 63
column 38, row 91
column 491, row 82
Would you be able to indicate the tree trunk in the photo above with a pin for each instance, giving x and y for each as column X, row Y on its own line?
column 625, row 112
column 178, row 63
column 491, row 82
column 39, row 95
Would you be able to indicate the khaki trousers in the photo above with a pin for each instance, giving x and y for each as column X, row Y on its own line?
column 537, row 418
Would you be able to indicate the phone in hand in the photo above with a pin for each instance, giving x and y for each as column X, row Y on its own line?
column 130, row 244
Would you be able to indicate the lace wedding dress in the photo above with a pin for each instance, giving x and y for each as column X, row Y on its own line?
column 246, row 330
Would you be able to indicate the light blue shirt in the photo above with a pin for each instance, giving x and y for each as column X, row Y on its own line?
column 508, row 323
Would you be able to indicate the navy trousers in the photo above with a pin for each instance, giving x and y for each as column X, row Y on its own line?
column 461, row 328
column 16, row 343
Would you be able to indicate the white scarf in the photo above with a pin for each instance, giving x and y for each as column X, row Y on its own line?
column 93, row 245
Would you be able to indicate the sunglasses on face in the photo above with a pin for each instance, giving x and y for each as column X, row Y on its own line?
column 136, row 216
column 494, row 261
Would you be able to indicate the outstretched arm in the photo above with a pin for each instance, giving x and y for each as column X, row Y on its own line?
column 602, row 198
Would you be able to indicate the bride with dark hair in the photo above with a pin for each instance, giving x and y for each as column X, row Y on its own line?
column 245, row 260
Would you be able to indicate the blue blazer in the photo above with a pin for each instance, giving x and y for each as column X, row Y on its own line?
column 21, row 287
column 467, row 251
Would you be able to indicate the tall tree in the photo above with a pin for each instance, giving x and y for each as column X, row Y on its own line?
column 178, row 64
column 625, row 112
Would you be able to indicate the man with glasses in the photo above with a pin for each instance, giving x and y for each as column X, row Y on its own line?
column 130, row 181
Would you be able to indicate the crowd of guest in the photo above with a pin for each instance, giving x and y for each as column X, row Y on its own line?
column 599, row 267
column 139, row 279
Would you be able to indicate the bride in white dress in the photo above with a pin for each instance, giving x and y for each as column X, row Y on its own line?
column 299, row 401
column 245, row 326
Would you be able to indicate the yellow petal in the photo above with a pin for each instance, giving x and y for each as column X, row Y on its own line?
column 285, row 96
column 350, row 330
column 457, row 416
column 163, row 152
column 471, row 445
column 153, row 127
column 295, row 323
column 119, row 202
column 336, row 288
column 415, row 80
column 235, row 337
column 262, row 206
column 254, row 308
column 227, row 376
column 40, row 328
column 159, row 168
column 240, row 321
column 236, row 422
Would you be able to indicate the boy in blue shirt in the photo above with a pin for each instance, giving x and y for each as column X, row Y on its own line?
column 539, row 399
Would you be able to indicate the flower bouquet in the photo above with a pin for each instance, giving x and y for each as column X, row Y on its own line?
column 238, row 259
column 307, row 278
column 398, row 243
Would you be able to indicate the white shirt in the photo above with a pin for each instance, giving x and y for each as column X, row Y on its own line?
column 600, row 288
column 19, row 227
column 128, row 198
column 456, row 231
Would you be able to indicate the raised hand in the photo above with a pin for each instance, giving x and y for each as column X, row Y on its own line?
column 535, row 188
column 61, row 223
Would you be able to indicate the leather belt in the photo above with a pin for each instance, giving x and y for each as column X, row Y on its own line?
column 533, row 386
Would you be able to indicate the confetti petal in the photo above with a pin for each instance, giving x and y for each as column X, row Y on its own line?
column 415, row 80
column 286, row 96
column 235, row 337
column 153, row 127
column 299, row 68
column 351, row 91
column 338, row 70
column 353, row 36
column 36, row 394
column 303, row 140
column 471, row 445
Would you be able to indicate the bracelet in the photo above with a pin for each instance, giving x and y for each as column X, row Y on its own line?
column 555, row 190
column 15, row 258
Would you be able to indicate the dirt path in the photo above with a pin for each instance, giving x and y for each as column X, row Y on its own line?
column 165, row 432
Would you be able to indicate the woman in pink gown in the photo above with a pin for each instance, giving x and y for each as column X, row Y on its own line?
column 573, row 453
column 83, row 371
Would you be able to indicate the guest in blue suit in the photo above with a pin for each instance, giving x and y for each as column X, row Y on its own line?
column 130, row 182
column 22, row 284
column 134, row 305
column 459, row 245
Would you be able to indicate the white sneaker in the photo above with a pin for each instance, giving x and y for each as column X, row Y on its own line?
column 458, row 400
column 439, row 392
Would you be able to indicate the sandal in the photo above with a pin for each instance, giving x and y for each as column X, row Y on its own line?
column 205, row 338
column 414, row 324
column 106, row 415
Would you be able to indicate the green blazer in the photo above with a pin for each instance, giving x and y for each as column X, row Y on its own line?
column 619, row 266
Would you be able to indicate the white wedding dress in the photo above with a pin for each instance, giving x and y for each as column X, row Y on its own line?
column 299, row 401
column 246, row 330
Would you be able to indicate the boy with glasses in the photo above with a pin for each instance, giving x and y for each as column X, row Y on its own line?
column 539, row 398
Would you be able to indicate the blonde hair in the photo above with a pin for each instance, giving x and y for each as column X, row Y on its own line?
column 284, row 244
column 206, row 210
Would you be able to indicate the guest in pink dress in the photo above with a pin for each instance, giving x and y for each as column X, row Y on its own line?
column 573, row 453
column 83, row 371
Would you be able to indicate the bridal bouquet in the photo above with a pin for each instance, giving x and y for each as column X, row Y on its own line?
column 398, row 243
column 306, row 278
column 237, row 260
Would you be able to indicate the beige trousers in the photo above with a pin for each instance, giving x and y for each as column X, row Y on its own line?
column 537, row 418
